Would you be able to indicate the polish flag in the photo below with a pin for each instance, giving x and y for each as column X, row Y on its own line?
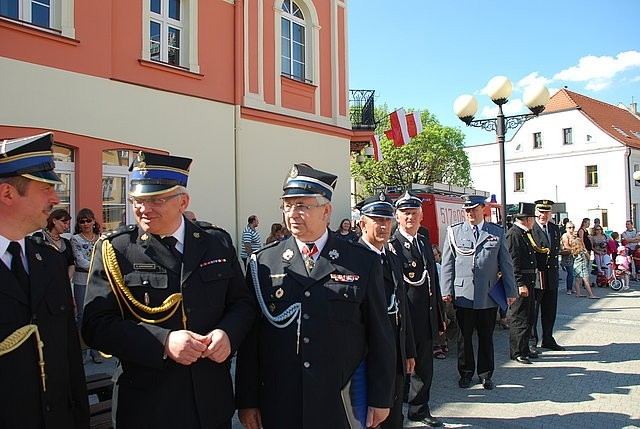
column 414, row 124
column 377, row 152
column 398, row 121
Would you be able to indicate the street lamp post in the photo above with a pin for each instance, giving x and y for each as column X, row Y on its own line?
column 499, row 90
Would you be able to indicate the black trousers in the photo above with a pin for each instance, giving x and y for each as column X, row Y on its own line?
column 484, row 322
column 546, row 306
column 394, row 421
column 420, row 380
column 520, row 326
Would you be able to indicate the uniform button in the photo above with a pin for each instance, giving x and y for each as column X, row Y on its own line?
column 305, row 340
column 307, row 293
column 306, row 364
column 305, row 316
column 346, row 295
column 145, row 282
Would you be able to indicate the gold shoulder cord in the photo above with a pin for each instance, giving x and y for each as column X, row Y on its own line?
column 18, row 337
column 123, row 294
column 537, row 248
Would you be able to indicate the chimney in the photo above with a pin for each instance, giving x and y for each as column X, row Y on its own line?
column 634, row 108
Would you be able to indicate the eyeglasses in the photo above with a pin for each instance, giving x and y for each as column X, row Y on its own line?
column 297, row 208
column 85, row 220
column 153, row 201
column 571, row 227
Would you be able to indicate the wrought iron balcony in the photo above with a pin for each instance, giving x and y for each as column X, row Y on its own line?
column 361, row 112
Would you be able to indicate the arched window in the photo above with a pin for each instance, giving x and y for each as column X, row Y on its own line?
column 294, row 41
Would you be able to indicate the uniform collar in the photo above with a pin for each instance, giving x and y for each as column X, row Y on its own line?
column 372, row 247
column 521, row 226
column 4, row 255
column 320, row 243
column 178, row 234
column 406, row 235
column 480, row 225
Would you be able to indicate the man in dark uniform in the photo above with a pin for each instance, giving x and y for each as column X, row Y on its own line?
column 322, row 352
column 518, row 239
column 42, row 383
column 169, row 300
column 547, row 237
column 473, row 256
column 375, row 222
column 425, row 301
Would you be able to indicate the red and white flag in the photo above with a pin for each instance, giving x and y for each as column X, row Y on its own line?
column 377, row 152
column 414, row 124
column 398, row 121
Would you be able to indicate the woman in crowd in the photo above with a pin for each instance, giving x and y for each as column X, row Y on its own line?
column 57, row 224
column 87, row 232
column 345, row 232
column 581, row 267
column 566, row 258
column 276, row 234
column 599, row 246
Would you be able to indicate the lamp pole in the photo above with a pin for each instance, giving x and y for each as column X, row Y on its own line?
column 499, row 90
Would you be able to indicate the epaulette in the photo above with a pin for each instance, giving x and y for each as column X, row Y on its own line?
column 208, row 225
column 456, row 224
column 118, row 231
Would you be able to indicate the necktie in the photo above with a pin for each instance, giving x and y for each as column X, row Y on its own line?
column 17, row 268
column 416, row 243
column 308, row 251
column 170, row 241
column 476, row 233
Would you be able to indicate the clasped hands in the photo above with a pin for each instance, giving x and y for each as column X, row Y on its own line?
column 186, row 347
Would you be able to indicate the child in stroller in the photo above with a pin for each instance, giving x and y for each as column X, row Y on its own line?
column 622, row 268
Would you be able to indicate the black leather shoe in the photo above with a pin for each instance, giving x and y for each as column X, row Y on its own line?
column 555, row 347
column 488, row 384
column 464, row 382
column 533, row 353
column 428, row 420
column 523, row 359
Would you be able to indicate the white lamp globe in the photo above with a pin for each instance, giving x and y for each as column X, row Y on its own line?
column 499, row 89
column 536, row 97
column 465, row 107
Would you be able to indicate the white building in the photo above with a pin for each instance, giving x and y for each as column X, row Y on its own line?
column 579, row 151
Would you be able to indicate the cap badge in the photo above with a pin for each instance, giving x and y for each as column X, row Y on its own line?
column 294, row 172
column 381, row 197
column 287, row 255
column 279, row 293
column 333, row 254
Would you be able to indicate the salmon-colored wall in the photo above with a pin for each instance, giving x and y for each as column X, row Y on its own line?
column 252, row 46
column 269, row 53
column 298, row 95
column 87, row 162
column 326, row 59
column 342, row 63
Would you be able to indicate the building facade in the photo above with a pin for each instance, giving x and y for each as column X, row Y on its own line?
column 579, row 151
column 245, row 88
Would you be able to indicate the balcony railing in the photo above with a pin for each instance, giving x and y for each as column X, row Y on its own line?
column 361, row 112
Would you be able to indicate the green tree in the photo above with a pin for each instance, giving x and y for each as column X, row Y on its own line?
column 435, row 155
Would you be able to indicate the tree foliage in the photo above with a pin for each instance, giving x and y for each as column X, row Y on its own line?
column 435, row 155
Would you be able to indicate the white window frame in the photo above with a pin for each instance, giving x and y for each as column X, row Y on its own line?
column 188, row 26
column 294, row 20
column 61, row 15
column 518, row 181
column 589, row 175
column 537, row 140
column 116, row 171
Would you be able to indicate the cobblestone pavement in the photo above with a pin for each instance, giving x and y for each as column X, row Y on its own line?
column 595, row 383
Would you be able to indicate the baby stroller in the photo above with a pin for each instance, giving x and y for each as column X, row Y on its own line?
column 613, row 281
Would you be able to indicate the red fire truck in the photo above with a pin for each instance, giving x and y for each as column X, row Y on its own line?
column 442, row 206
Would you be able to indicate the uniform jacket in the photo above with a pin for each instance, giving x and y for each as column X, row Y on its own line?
column 296, row 381
column 155, row 392
column 548, row 265
column 403, row 329
column 22, row 402
column 425, row 301
column 523, row 256
column 468, row 278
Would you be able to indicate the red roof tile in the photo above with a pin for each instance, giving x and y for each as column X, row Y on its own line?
column 608, row 117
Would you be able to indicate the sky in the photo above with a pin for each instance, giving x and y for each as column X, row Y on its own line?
column 423, row 54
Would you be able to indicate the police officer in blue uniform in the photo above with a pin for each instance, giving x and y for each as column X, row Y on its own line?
column 375, row 222
column 42, row 383
column 169, row 300
column 322, row 353
column 473, row 256
column 519, row 243
column 425, row 301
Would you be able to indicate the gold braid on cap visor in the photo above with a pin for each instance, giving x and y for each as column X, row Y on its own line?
column 123, row 294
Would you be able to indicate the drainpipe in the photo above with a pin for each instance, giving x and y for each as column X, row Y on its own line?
column 238, row 89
